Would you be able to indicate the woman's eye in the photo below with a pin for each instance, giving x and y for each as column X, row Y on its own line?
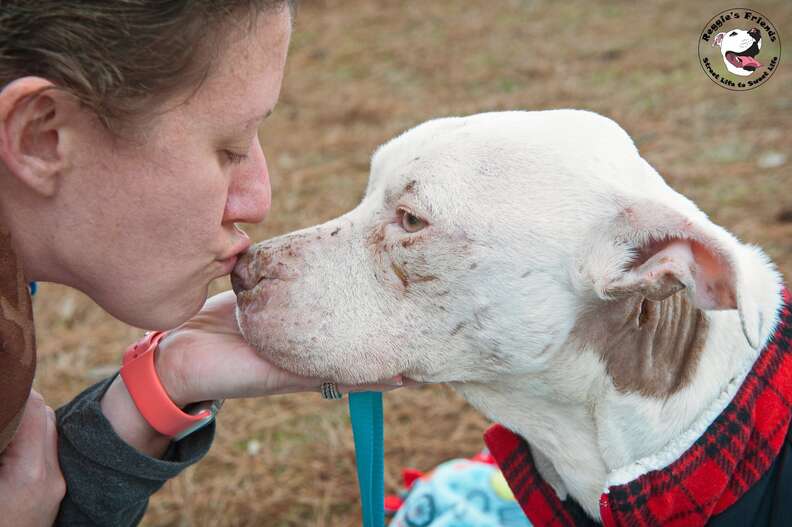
column 410, row 222
column 234, row 157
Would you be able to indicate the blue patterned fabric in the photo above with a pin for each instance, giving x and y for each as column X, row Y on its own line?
column 461, row 493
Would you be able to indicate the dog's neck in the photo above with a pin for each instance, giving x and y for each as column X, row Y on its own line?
column 627, row 381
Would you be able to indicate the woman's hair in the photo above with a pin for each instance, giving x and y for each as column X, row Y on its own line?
column 117, row 56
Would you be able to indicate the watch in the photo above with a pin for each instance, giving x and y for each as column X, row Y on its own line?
column 150, row 397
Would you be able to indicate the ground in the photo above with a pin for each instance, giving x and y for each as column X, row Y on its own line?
column 362, row 71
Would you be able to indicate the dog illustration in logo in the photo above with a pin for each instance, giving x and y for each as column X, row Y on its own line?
column 739, row 49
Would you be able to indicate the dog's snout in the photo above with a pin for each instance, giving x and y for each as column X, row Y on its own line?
column 755, row 33
column 242, row 278
column 263, row 262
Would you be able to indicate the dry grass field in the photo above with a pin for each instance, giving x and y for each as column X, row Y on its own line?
column 361, row 71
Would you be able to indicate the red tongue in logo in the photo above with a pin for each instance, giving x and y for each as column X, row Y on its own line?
column 742, row 61
column 745, row 60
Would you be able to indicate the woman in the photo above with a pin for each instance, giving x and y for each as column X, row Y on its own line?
column 128, row 151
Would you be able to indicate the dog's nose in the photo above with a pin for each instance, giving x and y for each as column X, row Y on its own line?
column 755, row 33
column 242, row 278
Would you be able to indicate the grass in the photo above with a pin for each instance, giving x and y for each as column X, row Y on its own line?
column 360, row 72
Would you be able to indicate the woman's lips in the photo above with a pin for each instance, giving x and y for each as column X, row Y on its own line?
column 228, row 264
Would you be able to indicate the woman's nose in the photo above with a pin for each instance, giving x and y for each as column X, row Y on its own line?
column 250, row 193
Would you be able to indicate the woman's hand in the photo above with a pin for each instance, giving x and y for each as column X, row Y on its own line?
column 206, row 358
column 31, row 482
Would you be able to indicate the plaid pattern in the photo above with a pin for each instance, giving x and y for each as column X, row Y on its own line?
column 732, row 455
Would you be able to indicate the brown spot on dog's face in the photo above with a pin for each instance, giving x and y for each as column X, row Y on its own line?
column 377, row 236
column 392, row 196
column 648, row 347
column 400, row 273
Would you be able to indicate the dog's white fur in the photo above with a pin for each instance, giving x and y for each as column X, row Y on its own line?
column 533, row 217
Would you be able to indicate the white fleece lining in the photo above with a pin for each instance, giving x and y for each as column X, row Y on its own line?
column 674, row 449
column 677, row 447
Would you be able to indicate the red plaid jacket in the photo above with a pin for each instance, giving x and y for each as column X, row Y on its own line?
column 735, row 451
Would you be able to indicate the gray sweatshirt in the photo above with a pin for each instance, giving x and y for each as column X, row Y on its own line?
column 108, row 482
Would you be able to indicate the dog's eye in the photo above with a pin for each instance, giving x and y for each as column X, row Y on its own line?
column 732, row 33
column 410, row 222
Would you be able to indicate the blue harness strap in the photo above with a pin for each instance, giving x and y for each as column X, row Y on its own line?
column 365, row 409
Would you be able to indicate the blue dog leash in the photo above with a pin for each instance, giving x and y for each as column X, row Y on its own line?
column 365, row 409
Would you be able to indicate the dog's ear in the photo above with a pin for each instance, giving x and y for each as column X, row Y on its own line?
column 655, row 250
column 718, row 39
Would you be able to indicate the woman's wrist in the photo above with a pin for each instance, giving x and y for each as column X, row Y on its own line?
column 123, row 414
column 169, row 368
column 126, row 420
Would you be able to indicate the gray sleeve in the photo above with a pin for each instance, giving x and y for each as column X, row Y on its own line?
column 108, row 482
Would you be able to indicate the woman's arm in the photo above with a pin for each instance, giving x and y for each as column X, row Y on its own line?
column 109, row 481
column 204, row 359
column 119, row 408
column 113, row 460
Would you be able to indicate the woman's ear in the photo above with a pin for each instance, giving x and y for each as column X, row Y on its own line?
column 655, row 250
column 32, row 113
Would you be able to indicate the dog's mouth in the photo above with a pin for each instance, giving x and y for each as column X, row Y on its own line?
column 745, row 59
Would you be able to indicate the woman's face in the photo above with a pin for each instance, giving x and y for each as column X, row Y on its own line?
column 145, row 224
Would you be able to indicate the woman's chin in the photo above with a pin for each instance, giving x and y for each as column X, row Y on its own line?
column 174, row 312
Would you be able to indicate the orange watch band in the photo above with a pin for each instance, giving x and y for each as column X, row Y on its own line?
column 150, row 397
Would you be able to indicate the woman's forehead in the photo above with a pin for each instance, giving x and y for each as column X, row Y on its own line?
column 243, row 84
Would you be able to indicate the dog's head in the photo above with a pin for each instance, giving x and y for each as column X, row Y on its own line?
column 477, row 243
column 739, row 49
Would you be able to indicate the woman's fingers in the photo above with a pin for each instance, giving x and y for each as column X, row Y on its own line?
column 224, row 300
column 25, row 452
column 31, row 482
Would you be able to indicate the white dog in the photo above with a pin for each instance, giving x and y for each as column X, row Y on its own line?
column 536, row 263
column 739, row 49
